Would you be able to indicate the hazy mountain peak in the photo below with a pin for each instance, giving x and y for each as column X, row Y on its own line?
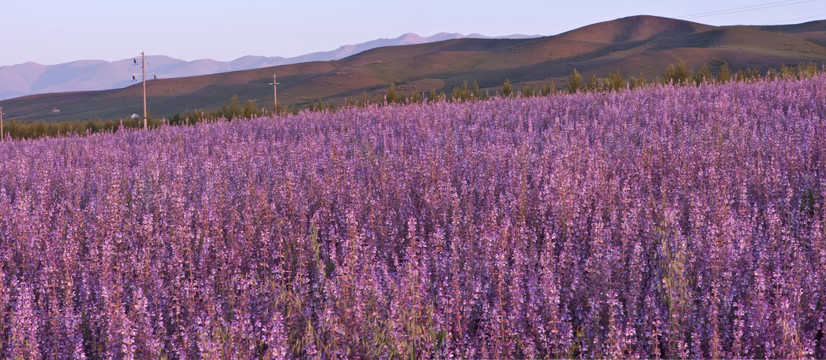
column 410, row 37
column 83, row 75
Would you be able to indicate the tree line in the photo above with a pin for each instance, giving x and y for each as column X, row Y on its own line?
column 677, row 74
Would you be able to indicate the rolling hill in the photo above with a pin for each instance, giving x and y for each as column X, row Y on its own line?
column 633, row 45
column 32, row 78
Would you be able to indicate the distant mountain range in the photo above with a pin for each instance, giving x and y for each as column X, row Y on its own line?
column 637, row 45
column 85, row 75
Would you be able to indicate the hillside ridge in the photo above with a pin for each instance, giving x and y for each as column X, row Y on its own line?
column 638, row 45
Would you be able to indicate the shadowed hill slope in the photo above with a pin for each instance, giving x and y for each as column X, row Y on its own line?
column 635, row 45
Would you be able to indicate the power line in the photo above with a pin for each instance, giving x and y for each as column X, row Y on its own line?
column 735, row 10
column 812, row 17
column 741, row 8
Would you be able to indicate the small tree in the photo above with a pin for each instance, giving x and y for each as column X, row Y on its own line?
column 638, row 82
column 574, row 82
column 806, row 70
column 724, row 75
column 703, row 75
column 632, row 83
column 593, row 84
column 527, row 91
column 785, row 72
column 548, row 89
column 233, row 110
column 677, row 74
column 365, row 99
column 391, row 93
column 249, row 109
column 750, row 74
column 416, row 97
column 616, row 81
column 432, row 97
column 474, row 90
column 462, row 93
column 507, row 89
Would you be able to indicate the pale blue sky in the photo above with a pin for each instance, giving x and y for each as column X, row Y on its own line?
column 57, row 31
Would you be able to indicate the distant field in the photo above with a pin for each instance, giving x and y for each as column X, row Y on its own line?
column 667, row 222
column 634, row 46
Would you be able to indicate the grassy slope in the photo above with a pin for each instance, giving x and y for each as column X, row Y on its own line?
column 636, row 45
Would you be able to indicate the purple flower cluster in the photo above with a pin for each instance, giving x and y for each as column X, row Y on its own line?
column 665, row 222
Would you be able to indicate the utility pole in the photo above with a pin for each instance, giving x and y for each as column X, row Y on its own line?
column 274, row 94
column 143, row 80
column 143, row 73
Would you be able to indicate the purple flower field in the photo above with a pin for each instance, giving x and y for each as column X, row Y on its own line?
column 666, row 222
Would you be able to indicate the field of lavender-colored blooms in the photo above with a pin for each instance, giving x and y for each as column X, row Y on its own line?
column 665, row 222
